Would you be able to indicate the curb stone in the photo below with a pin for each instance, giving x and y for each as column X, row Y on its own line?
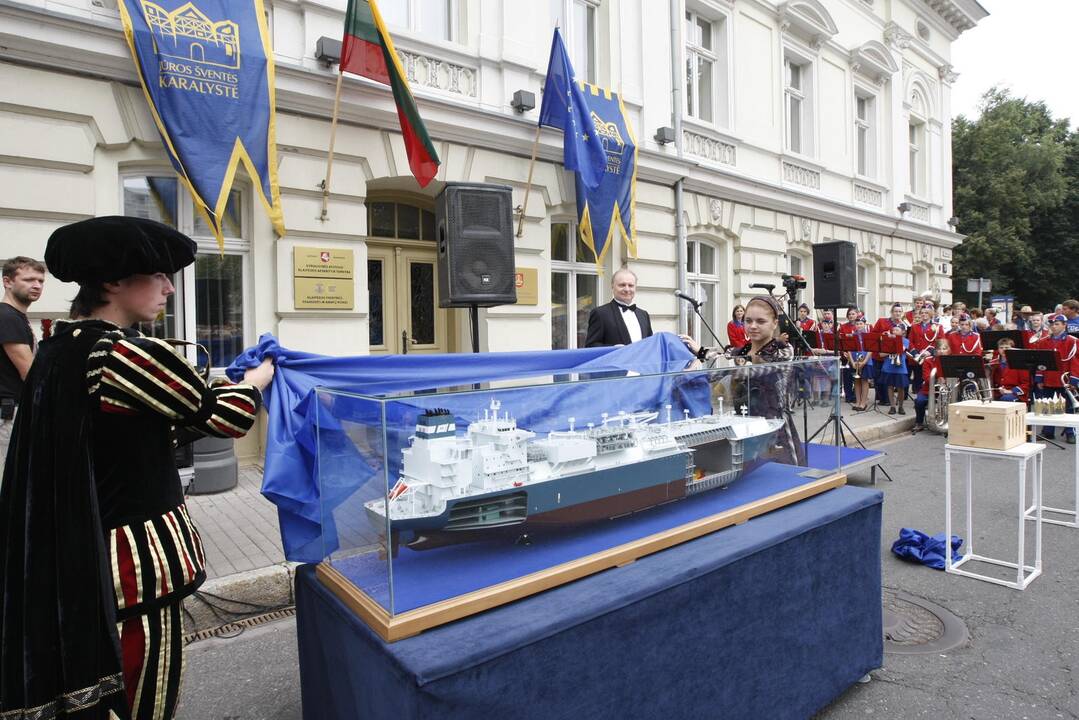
column 271, row 587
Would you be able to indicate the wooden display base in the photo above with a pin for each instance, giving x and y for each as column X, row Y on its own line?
column 397, row 627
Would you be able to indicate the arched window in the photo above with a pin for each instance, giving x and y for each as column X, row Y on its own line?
column 703, row 275
column 918, row 138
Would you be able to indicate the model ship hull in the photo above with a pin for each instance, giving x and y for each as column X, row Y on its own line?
column 565, row 480
column 567, row 501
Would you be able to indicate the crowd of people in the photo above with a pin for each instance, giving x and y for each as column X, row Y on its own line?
column 924, row 334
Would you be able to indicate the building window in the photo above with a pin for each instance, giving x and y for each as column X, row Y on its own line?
column 795, row 264
column 864, row 295
column 433, row 19
column 208, row 306
column 575, row 287
column 921, row 280
column 702, row 274
column 865, row 135
column 577, row 18
column 701, row 67
column 916, row 152
column 400, row 221
column 796, row 104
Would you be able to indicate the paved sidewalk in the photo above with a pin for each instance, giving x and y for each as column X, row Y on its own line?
column 239, row 527
column 240, row 531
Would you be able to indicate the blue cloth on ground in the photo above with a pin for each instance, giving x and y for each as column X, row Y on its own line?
column 916, row 546
column 298, row 425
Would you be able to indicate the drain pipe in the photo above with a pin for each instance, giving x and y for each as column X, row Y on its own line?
column 676, row 123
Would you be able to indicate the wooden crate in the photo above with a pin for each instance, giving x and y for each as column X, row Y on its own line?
column 987, row 425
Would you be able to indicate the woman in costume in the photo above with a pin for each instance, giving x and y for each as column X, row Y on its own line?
column 92, row 508
column 766, row 389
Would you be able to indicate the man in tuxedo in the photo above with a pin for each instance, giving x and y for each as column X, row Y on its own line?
column 619, row 322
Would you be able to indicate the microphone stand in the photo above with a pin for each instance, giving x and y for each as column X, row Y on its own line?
column 697, row 312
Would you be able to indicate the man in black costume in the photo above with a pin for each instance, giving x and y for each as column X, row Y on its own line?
column 97, row 550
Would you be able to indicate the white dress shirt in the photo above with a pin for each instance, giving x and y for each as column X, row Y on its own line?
column 629, row 317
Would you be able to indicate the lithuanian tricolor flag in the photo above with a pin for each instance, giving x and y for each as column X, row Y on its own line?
column 367, row 50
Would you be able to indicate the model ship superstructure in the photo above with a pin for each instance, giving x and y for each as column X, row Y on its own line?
column 498, row 475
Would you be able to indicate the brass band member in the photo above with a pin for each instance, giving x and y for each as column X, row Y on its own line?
column 91, row 507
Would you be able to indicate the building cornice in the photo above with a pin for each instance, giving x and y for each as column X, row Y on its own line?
column 962, row 15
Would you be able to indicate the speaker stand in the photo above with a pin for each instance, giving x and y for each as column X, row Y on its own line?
column 474, row 322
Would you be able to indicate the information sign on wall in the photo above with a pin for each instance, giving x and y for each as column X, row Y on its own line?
column 322, row 278
column 527, row 282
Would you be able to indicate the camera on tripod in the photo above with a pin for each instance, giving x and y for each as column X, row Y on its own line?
column 794, row 282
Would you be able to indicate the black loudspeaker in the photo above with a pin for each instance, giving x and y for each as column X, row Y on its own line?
column 474, row 224
column 835, row 275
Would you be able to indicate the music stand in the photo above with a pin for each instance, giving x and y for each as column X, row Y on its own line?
column 962, row 367
column 965, row 367
column 882, row 344
column 991, row 338
column 840, row 343
column 1034, row 362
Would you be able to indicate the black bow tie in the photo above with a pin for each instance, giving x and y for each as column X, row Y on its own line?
column 627, row 308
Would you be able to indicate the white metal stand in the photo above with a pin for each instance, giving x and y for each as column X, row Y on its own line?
column 1063, row 421
column 1023, row 455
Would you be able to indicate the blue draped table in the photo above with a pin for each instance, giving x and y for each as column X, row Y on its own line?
column 772, row 618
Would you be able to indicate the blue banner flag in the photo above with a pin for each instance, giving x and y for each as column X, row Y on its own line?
column 611, row 206
column 565, row 108
column 207, row 70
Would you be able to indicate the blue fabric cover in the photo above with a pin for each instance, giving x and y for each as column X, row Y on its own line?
column 743, row 623
column 291, row 472
column 824, row 457
column 916, row 546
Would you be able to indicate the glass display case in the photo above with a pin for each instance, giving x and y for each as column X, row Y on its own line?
column 439, row 504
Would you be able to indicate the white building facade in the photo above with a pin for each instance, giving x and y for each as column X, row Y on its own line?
column 796, row 123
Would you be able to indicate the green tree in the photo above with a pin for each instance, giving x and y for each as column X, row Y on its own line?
column 1011, row 188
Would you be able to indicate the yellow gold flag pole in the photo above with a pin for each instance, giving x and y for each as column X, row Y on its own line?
column 528, row 187
column 329, row 158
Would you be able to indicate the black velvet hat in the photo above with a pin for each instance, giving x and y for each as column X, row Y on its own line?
column 110, row 248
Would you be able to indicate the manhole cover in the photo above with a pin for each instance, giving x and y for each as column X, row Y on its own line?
column 914, row 626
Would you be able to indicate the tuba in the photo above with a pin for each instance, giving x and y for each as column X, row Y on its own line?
column 948, row 390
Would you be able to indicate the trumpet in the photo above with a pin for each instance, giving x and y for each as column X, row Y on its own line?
column 923, row 355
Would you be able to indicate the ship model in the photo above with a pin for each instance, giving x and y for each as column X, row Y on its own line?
column 498, row 477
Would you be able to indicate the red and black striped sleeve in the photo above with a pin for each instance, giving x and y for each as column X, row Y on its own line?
column 145, row 374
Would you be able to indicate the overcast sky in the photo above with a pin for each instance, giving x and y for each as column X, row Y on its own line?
column 1026, row 45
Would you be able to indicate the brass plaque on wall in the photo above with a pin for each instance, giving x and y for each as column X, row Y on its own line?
column 333, row 294
column 322, row 278
column 526, row 281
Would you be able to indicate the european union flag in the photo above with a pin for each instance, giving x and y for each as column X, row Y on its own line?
column 564, row 107
column 207, row 70
column 609, row 207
